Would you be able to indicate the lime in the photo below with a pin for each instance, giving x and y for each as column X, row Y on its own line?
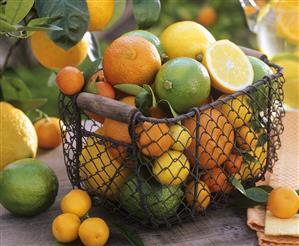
column 186, row 39
column 181, row 136
column 149, row 37
column 171, row 168
column 260, row 69
column 184, row 83
column 27, row 187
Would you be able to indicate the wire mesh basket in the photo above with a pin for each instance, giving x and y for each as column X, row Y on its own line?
column 164, row 171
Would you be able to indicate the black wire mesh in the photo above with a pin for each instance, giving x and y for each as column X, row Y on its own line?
column 164, row 171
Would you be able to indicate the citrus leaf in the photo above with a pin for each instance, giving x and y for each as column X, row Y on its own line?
column 257, row 194
column 130, row 89
column 44, row 27
column 165, row 102
column 143, row 102
column 237, row 184
column 14, row 88
column 75, row 243
column 74, row 20
column 249, row 158
column 146, row 12
column 129, row 234
column 27, row 105
column 262, row 140
column 149, row 90
column 15, row 11
column 266, row 188
column 6, row 27
column 243, row 202
column 89, row 67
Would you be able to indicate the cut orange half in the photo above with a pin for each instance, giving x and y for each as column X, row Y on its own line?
column 228, row 66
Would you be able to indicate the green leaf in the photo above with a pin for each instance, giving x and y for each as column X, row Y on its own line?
column 257, row 194
column 91, row 87
column 75, row 243
column 266, row 188
column 130, row 89
column 42, row 24
column 249, row 158
column 262, row 140
column 89, row 67
column 143, row 102
column 129, row 234
column 149, row 89
column 15, row 11
column 168, row 105
column 237, row 184
column 74, row 20
column 14, row 88
column 243, row 202
column 119, row 7
column 6, row 27
column 27, row 105
column 146, row 12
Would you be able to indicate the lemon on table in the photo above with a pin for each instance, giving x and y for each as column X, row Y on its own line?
column 172, row 168
column 199, row 194
column 18, row 138
column 77, row 202
column 181, row 136
column 185, row 39
column 228, row 66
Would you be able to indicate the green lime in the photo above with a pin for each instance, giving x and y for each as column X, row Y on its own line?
column 260, row 69
column 149, row 37
column 184, row 83
column 27, row 187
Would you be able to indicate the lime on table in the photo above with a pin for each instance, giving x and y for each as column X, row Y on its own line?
column 228, row 66
column 184, row 83
column 27, row 187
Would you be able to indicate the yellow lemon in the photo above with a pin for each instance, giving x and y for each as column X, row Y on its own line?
column 18, row 139
column 228, row 66
column 100, row 13
column 199, row 194
column 247, row 138
column 181, row 136
column 172, row 168
column 94, row 232
column 238, row 111
column 54, row 57
column 65, row 227
column 100, row 171
column 185, row 39
column 77, row 202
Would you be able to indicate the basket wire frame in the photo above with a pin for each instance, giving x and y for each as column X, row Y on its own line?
column 149, row 182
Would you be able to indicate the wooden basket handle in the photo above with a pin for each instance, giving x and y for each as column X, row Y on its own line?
column 251, row 52
column 106, row 107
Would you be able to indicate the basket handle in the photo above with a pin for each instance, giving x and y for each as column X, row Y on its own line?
column 106, row 107
column 251, row 52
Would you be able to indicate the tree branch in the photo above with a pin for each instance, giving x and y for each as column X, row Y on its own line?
column 9, row 53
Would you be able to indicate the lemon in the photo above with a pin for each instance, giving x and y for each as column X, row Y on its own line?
column 94, row 232
column 252, row 168
column 65, row 227
column 172, row 168
column 54, row 57
column 18, row 138
column 100, row 171
column 199, row 194
column 228, row 66
column 181, row 136
column 185, row 39
column 247, row 138
column 100, row 13
column 238, row 111
column 77, row 202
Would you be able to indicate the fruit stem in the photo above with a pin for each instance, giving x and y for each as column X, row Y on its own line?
column 199, row 57
column 41, row 115
column 167, row 84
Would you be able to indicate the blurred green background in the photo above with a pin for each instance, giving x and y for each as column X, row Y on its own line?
column 223, row 18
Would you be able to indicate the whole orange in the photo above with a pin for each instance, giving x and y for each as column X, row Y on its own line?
column 233, row 163
column 207, row 16
column 216, row 138
column 283, row 202
column 154, row 138
column 201, row 198
column 48, row 132
column 217, row 181
column 70, row 80
column 131, row 59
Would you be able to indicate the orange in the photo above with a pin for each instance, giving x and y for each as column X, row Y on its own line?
column 65, row 227
column 154, row 138
column 54, row 57
column 131, row 59
column 76, row 202
column 157, row 112
column 247, row 138
column 217, row 181
column 48, row 132
column 199, row 194
column 283, row 202
column 216, row 138
column 70, row 80
column 233, row 164
column 130, row 100
column 94, row 232
column 100, row 13
column 207, row 16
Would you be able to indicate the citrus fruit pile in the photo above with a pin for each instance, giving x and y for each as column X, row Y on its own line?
column 187, row 162
column 74, row 222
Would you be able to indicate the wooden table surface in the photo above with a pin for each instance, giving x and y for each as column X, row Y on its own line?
column 221, row 227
